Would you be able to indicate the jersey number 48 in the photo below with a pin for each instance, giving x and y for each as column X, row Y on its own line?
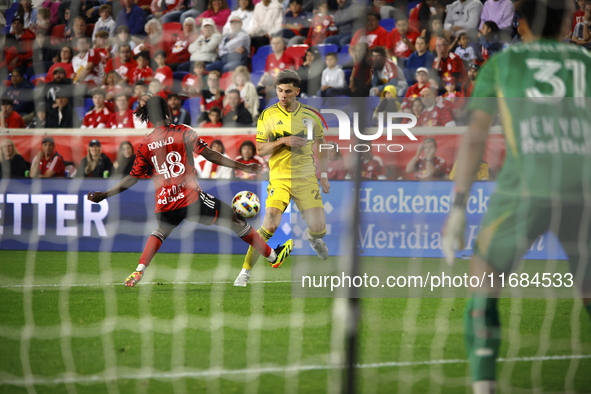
column 174, row 160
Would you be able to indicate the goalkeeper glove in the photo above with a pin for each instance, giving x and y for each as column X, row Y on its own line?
column 453, row 234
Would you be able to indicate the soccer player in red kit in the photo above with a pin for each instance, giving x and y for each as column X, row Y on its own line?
column 166, row 156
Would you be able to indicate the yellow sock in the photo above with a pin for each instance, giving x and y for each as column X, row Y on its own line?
column 320, row 234
column 252, row 255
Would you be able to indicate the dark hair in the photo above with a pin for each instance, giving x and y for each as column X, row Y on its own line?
column 300, row 2
column 105, row 7
column 216, row 109
column 7, row 101
column 249, row 7
column 143, row 54
column 332, row 54
column 420, row 102
column 379, row 50
column 224, row 5
column 233, row 91
column 248, row 143
column 122, row 29
column 159, row 52
column 156, row 111
column 544, row 17
column 219, row 142
column 102, row 34
column 287, row 77
column 378, row 17
column 492, row 26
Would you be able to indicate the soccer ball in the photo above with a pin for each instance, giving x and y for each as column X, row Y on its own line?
column 246, row 204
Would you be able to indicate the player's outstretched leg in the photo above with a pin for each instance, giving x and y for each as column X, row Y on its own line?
column 281, row 253
column 317, row 243
column 482, row 334
column 154, row 242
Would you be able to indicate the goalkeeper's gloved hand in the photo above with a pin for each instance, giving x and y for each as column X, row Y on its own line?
column 453, row 233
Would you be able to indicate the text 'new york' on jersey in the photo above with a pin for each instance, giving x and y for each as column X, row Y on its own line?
column 167, row 156
column 275, row 123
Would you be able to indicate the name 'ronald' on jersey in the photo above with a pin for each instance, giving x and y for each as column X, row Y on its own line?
column 166, row 156
column 275, row 123
column 540, row 89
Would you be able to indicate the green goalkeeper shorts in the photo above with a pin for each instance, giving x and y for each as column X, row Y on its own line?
column 511, row 225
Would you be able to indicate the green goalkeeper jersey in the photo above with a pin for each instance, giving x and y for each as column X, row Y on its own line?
column 540, row 91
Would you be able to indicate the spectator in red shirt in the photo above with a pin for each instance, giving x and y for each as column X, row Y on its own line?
column 214, row 117
column 401, row 41
column 248, row 155
column 360, row 81
column 22, row 52
column 425, row 164
column 336, row 165
column 193, row 83
column 86, row 64
column 372, row 34
column 468, row 86
column 385, row 72
column 142, row 72
column 578, row 16
column 98, row 116
column 48, row 163
column 64, row 60
column 123, row 64
column 372, row 166
column 163, row 73
column 422, row 76
column 211, row 97
column 322, row 25
column 436, row 113
column 448, row 62
column 9, row 118
column 122, row 118
column 178, row 52
column 277, row 61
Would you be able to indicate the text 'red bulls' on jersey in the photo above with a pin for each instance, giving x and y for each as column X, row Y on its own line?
column 166, row 156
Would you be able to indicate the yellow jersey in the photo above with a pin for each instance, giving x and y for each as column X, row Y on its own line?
column 275, row 123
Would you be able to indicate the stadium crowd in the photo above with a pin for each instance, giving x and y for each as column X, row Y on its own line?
column 90, row 64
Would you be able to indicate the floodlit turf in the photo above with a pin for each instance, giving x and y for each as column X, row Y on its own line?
column 93, row 335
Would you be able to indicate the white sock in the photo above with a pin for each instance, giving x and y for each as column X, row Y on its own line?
column 245, row 271
column 484, row 387
column 272, row 257
column 140, row 267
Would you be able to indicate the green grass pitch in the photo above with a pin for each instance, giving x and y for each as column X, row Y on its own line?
column 69, row 325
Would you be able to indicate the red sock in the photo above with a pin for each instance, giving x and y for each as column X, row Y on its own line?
column 150, row 250
column 257, row 242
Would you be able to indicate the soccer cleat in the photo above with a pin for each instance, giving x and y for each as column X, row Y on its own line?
column 282, row 252
column 318, row 245
column 132, row 279
column 242, row 280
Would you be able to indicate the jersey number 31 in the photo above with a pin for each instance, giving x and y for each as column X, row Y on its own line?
column 546, row 73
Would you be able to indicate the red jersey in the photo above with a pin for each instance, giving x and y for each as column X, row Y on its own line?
column 124, row 121
column 178, row 52
column 164, row 75
column 253, row 160
column 322, row 26
column 577, row 18
column 192, row 83
column 411, row 93
column 66, row 66
column 123, row 69
column 375, row 38
column 389, row 71
column 454, row 101
column 14, row 121
column 96, row 120
column 274, row 65
column 373, row 169
column 95, row 76
column 166, row 156
column 397, row 47
column 467, row 89
column 421, row 168
column 452, row 64
column 54, row 163
column 440, row 115
column 141, row 74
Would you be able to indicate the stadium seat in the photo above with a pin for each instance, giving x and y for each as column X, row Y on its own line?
column 344, row 49
column 316, row 102
column 348, row 72
column 263, row 51
column 255, row 76
column 345, row 58
column 56, row 37
column 327, row 48
column 297, row 52
column 259, row 63
column 80, row 111
column 193, row 106
column 179, row 75
column 388, row 23
column 226, row 80
column 38, row 78
column 87, row 105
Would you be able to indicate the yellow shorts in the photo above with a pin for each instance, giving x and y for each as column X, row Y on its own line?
column 305, row 192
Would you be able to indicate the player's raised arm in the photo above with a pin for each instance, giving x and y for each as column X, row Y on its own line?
column 219, row 159
column 122, row 186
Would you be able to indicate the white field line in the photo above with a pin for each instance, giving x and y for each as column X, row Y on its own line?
column 143, row 283
column 158, row 375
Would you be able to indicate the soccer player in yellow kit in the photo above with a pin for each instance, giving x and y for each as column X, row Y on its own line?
column 287, row 131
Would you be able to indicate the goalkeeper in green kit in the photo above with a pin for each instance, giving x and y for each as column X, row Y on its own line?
column 539, row 89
